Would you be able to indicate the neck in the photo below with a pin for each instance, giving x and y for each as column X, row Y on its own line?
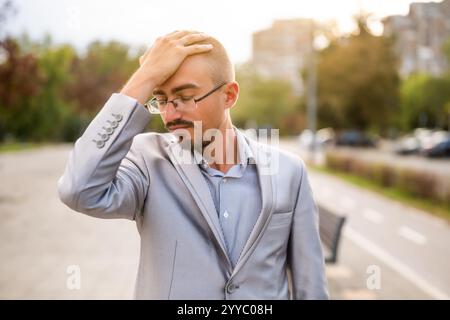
column 228, row 147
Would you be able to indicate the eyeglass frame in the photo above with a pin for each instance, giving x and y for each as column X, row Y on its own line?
column 148, row 104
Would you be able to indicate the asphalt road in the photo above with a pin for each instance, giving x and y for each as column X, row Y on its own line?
column 40, row 238
column 409, row 245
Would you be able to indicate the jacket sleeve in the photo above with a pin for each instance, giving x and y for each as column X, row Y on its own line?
column 103, row 177
column 305, row 257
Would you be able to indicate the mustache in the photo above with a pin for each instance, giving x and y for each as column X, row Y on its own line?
column 179, row 122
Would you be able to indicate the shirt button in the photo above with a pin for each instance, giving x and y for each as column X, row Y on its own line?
column 225, row 214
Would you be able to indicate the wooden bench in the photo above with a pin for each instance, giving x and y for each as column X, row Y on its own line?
column 330, row 227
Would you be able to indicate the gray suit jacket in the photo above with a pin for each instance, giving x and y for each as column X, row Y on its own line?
column 114, row 171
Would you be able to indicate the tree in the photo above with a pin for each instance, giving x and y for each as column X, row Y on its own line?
column 101, row 71
column 52, row 111
column 358, row 82
column 21, row 80
column 263, row 102
column 446, row 50
column 423, row 100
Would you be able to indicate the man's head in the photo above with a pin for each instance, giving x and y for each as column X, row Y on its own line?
column 220, row 67
column 198, row 75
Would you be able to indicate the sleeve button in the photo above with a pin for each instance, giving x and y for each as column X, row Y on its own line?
column 99, row 143
column 108, row 130
column 104, row 136
column 118, row 117
column 113, row 124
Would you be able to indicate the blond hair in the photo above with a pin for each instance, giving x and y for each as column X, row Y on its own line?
column 221, row 68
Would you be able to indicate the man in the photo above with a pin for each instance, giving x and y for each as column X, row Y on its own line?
column 222, row 227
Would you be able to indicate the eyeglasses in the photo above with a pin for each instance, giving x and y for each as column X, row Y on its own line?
column 156, row 106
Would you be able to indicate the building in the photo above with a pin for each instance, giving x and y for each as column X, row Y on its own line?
column 420, row 36
column 281, row 51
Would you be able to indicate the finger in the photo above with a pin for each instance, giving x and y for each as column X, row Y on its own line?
column 179, row 34
column 192, row 38
column 173, row 34
column 198, row 48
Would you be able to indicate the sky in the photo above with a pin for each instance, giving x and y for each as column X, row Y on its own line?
column 140, row 22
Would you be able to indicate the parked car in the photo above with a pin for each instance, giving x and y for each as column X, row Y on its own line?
column 324, row 136
column 433, row 139
column 442, row 149
column 421, row 141
column 355, row 138
column 407, row 145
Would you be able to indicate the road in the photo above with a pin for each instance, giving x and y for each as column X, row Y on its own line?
column 40, row 239
column 409, row 245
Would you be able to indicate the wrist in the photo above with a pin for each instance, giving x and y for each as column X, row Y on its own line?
column 139, row 87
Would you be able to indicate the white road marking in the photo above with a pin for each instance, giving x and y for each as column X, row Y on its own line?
column 373, row 215
column 325, row 192
column 412, row 235
column 347, row 202
column 395, row 264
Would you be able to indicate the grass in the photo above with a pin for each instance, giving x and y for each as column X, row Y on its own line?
column 441, row 210
column 18, row 146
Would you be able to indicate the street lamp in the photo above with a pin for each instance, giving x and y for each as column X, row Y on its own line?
column 317, row 41
column 311, row 93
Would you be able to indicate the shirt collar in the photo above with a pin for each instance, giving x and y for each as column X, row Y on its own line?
column 245, row 154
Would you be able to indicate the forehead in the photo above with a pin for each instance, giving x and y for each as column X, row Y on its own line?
column 194, row 70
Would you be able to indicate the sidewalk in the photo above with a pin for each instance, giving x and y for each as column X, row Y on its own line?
column 40, row 237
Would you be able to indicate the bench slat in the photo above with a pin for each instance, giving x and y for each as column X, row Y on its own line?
column 330, row 227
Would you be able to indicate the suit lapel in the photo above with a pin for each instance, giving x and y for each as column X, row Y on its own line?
column 196, row 184
column 267, row 194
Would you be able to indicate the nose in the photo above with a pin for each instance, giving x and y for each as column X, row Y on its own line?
column 171, row 113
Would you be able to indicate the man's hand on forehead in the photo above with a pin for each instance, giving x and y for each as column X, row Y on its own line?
column 162, row 60
column 169, row 51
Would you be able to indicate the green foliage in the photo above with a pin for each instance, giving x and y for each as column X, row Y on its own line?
column 358, row 82
column 446, row 49
column 423, row 101
column 50, row 92
column 262, row 102
column 103, row 69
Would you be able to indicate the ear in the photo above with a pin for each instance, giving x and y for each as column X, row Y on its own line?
column 231, row 94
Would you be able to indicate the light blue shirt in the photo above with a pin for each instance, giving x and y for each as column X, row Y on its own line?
column 237, row 198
